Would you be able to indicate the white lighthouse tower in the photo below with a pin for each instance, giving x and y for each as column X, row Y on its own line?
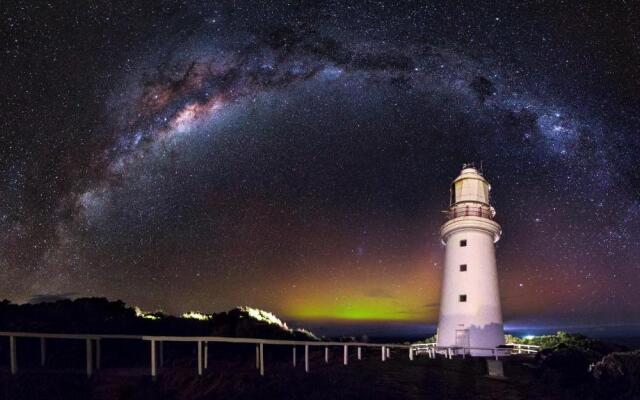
column 470, row 313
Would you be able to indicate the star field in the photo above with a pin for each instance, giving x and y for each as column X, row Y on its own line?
column 297, row 157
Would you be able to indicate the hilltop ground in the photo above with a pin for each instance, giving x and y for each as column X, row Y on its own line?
column 235, row 377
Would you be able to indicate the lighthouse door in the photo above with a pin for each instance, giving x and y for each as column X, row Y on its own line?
column 462, row 338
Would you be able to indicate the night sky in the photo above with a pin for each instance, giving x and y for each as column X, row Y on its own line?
column 296, row 157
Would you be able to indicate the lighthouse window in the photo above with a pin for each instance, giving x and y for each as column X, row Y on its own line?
column 463, row 298
column 463, row 267
column 463, row 243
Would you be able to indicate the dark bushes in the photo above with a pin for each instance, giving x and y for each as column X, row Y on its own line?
column 619, row 373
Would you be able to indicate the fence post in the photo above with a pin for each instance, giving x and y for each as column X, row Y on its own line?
column 43, row 351
column 384, row 353
column 261, row 359
column 153, row 360
column 326, row 354
column 199, row 357
column 206, row 354
column 388, row 352
column 359, row 353
column 12, row 355
column 346, row 354
column 257, row 356
column 98, row 354
column 410, row 353
column 294, row 356
column 306, row 358
column 89, row 357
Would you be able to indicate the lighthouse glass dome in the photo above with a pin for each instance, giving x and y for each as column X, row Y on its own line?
column 470, row 186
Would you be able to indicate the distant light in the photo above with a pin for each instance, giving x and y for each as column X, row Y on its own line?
column 529, row 337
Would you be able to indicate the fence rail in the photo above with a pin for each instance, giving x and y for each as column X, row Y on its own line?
column 156, row 343
column 519, row 348
column 431, row 349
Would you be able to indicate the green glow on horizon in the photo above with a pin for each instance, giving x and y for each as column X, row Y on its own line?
column 358, row 294
column 358, row 309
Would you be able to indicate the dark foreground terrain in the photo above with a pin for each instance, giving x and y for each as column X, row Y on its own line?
column 235, row 377
column 569, row 366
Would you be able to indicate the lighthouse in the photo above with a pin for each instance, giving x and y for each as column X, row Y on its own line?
column 470, row 312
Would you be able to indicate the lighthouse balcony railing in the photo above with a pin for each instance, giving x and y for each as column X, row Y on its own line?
column 468, row 212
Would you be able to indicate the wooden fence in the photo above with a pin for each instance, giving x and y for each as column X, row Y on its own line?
column 93, row 349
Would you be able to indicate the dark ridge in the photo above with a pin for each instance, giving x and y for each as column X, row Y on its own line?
column 101, row 316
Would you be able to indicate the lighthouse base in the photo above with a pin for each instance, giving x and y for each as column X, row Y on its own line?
column 474, row 340
column 463, row 351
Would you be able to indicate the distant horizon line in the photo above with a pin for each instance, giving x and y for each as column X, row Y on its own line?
column 335, row 322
